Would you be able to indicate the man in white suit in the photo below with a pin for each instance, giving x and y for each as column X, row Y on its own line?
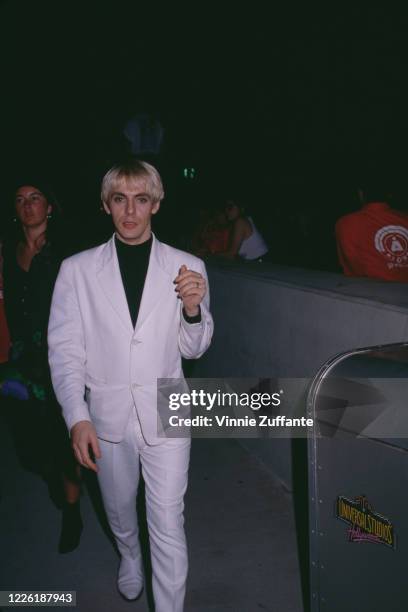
column 123, row 314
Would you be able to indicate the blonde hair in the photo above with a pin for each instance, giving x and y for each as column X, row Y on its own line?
column 133, row 171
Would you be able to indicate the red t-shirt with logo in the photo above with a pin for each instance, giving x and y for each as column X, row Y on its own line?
column 374, row 242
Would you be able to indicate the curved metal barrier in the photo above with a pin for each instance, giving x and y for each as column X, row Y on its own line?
column 358, row 479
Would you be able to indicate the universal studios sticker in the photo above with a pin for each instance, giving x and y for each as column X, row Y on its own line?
column 365, row 525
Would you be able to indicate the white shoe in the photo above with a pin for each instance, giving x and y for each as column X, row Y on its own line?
column 130, row 578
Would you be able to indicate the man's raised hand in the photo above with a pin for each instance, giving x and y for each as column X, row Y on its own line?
column 191, row 289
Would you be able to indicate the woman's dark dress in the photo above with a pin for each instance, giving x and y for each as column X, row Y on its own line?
column 40, row 429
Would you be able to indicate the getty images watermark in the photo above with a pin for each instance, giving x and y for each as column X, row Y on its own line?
column 231, row 407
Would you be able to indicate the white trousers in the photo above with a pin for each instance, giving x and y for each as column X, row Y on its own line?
column 165, row 472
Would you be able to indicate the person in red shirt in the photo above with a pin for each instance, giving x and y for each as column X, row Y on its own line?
column 212, row 235
column 373, row 241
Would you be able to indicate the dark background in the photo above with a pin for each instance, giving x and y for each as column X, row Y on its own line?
column 290, row 109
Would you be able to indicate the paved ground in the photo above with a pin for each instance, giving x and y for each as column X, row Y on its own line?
column 240, row 529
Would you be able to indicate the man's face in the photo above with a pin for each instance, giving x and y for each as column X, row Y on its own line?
column 131, row 208
column 32, row 207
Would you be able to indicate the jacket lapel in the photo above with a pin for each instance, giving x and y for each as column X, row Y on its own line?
column 110, row 279
column 157, row 282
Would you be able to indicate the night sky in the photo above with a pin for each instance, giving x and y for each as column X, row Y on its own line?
column 288, row 109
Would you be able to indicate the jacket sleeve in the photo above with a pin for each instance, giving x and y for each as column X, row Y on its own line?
column 195, row 338
column 66, row 348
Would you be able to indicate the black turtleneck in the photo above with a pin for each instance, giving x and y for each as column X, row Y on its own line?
column 133, row 263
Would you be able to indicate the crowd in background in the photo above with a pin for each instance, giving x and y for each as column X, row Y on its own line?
column 370, row 242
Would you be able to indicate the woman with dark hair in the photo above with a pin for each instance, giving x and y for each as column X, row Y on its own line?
column 31, row 264
column 246, row 242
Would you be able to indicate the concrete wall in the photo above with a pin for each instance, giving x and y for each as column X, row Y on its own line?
column 277, row 322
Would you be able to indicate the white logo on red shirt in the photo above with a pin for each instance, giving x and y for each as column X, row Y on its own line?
column 392, row 242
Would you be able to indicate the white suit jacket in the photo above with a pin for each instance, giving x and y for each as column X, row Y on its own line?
column 100, row 365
